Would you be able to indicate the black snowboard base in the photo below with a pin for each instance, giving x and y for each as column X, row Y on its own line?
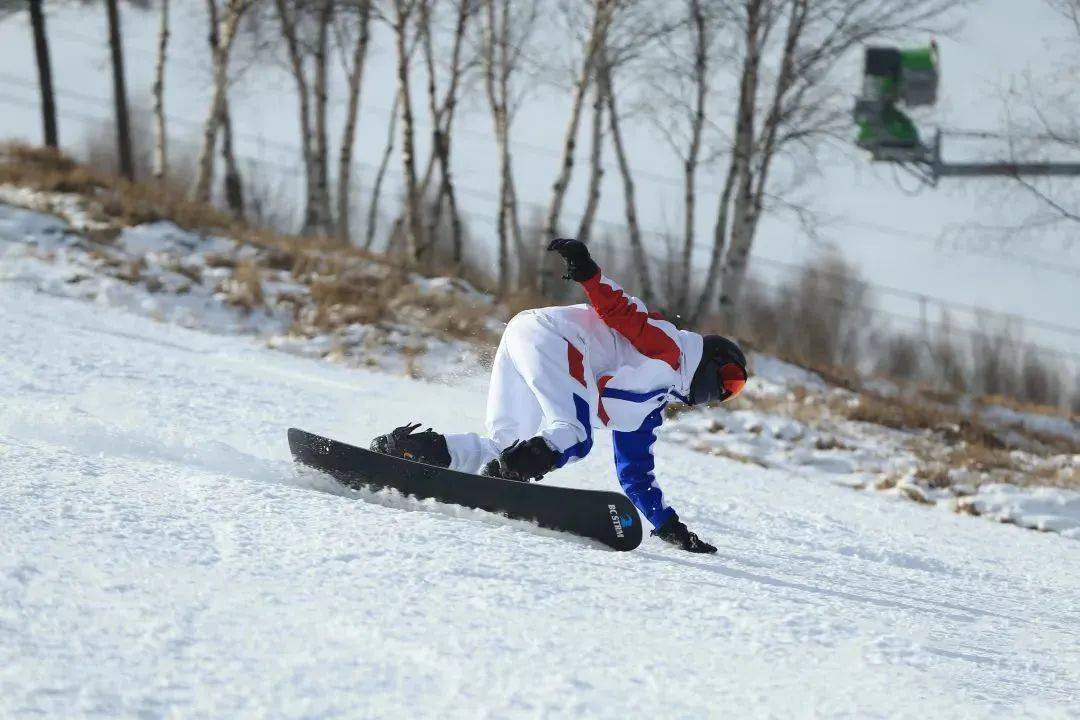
column 605, row 516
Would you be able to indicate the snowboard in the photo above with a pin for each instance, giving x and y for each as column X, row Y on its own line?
column 608, row 517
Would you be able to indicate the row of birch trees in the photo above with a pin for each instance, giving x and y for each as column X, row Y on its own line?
column 746, row 91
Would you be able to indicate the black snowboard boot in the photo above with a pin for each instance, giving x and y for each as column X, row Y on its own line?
column 523, row 461
column 428, row 447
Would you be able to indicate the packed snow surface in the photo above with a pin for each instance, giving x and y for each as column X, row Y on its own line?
column 161, row 556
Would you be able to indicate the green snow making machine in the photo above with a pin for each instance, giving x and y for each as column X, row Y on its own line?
column 892, row 76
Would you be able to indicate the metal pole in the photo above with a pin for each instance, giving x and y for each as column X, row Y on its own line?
column 1006, row 169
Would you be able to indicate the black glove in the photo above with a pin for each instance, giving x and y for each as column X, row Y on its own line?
column 579, row 264
column 676, row 533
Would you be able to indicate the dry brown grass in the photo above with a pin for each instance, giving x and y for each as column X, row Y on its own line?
column 952, row 446
column 731, row 455
column 118, row 201
column 244, row 289
column 1024, row 406
column 974, row 464
column 194, row 273
column 450, row 314
column 347, row 285
column 520, row 300
column 121, row 203
column 132, row 271
column 341, row 300
column 48, row 170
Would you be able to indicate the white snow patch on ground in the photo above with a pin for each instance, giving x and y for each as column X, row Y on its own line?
column 1046, row 424
column 161, row 271
column 160, row 556
column 1047, row 509
column 860, row 454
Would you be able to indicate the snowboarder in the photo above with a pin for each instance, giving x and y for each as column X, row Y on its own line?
column 559, row 372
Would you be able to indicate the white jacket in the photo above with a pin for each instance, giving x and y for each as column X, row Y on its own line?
column 633, row 360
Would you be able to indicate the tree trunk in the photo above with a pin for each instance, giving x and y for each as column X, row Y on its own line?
column 348, row 137
column 296, row 66
column 123, row 127
column 438, row 142
column 424, row 35
column 750, row 195
column 234, row 184
column 602, row 10
column 457, row 233
column 596, row 168
column 690, row 164
column 376, row 190
column 497, row 68
column 498, row 112
column 449, row 105
column 637, row 248
column 733, row 271
column 222, row 34
column 719, row 241
column 161, row 156
column 321, row 151
column 414, row 240
column 442, row 114
column 512, row 205
column 771, row 130
column 44, row 68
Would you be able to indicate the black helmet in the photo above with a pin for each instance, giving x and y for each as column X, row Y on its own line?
column 721, row 374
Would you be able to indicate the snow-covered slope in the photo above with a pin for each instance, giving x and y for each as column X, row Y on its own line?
column 789, row 419
column 160, row 556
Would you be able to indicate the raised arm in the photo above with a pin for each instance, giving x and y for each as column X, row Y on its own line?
column 623, row 313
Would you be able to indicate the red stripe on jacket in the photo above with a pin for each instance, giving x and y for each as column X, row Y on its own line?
column 601, row 412
column 576, row 362
column 615, row 309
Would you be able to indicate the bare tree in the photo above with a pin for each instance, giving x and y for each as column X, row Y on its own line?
column 596, row 168
column 790, row 49
column 442, row 111
column 375, row 196
column 414, row 230
column 354, row 72
column 1040, row 115
column 160, row 166
column 380, row 176
column 689, row 74
column 506, row 41
column 123, row 128
column 321, row 150
column 44, row 68
column 628, row 48
column 601, row 15
column 305, row 26
column 633, row 228
column 681, row 104
column 223, row 29
column 233, row 182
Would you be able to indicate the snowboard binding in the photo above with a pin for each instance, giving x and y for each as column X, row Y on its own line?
column 523, row 461
column 428, row 447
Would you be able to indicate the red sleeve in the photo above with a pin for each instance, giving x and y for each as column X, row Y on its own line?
column 630, row 319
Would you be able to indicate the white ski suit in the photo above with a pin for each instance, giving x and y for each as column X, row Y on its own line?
column 559, row 372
